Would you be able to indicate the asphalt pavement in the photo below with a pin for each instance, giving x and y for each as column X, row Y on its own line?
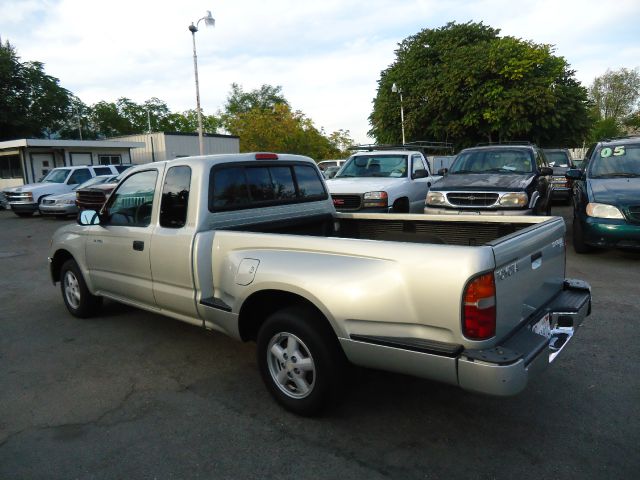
column 130, row 394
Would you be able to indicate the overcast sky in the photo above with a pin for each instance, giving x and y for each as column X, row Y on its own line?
column 326, row 54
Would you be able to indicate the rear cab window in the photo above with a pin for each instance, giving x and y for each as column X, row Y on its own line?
column 241, row 186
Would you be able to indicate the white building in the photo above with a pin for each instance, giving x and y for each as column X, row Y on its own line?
column 160, row 146
column 27, row 160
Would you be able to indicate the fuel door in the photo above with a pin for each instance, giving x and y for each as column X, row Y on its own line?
column 247, row 271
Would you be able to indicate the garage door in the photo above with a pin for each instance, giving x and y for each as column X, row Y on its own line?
column 80, row 159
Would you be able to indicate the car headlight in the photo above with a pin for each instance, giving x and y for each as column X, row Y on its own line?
column 375, row 199
column 517, row 199
column 602, row 210
column 436, row 199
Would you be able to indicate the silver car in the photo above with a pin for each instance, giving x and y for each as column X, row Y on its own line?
column 64, row 204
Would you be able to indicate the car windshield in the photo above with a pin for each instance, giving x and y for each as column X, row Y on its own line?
column 57, row 176
column 557, row 159
column 374, row 165
column 616, row 161
column 94, row 181
column 493, row 161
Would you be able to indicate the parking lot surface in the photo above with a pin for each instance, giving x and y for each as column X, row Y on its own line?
column 130, row 394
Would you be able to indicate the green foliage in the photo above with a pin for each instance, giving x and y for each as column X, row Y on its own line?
column 462, row 83
column 605, row 128
column 264, row 121
column 615, row 94
column 32, row 103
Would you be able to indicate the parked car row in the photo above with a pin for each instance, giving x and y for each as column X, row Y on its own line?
column 56, row 193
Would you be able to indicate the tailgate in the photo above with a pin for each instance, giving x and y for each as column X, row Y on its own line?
column 530, row 270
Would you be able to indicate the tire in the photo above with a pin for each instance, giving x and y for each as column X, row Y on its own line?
column 401, row 206
column 548, row 210
column 24, row 214
column 578, row 238
column 77, row 298
column 301, row 361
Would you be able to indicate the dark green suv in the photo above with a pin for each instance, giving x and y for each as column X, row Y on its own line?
column 606, row 196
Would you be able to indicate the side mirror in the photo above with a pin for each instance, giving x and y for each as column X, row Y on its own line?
column 89, row 217
column 574, row 174
column 443, row 171
column 544, row 171
column 420, row 173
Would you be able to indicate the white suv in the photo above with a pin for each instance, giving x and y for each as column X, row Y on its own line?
column 382, row 181
column 25, row 199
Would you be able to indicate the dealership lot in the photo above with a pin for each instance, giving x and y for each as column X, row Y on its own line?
column 134, row 394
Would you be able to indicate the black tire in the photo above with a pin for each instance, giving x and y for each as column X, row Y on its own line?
column 401, row 206
column 77, row 298
column 23, row 214
column 578, row 238
column 548, row 210
column 315, row 346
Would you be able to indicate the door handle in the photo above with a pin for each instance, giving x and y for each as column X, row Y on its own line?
column 138, row 245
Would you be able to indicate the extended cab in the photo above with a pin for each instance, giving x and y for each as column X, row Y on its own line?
column 25, row 200
column 494, row 180
column 382, row 181
column 250, row 245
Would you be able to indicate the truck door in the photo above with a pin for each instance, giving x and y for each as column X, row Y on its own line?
column 118, row 250
column 418, row 186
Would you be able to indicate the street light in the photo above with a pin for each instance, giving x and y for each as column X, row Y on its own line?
column 209, row 21
column 396, row 89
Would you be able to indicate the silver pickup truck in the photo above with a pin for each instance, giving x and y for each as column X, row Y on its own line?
column 251, row 245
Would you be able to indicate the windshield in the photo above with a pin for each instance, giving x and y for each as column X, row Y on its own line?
column 557, row 159
column 493, row 161
column 56, row 176
column 374, row 165
column 618, row 161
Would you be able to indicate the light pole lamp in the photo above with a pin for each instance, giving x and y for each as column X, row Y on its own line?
column 396, row 89
column 209, row 21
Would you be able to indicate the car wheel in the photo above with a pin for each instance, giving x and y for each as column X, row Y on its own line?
column 24, row 214
column 300, row 360
column 578, row 237
column 401, row 206
column 548, row 210
column 77, row 298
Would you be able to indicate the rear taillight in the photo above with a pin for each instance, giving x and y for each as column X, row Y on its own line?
column 479, row 308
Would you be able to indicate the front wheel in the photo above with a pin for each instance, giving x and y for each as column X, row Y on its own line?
column 579, row 244
column 24, row 214
column 77, row 298
column 300, row 360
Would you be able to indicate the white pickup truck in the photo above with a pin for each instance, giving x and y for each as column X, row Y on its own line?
column 25, row 200
column 251, row 245
column 382, row 181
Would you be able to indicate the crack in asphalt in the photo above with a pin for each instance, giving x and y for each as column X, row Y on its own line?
column 94, row 421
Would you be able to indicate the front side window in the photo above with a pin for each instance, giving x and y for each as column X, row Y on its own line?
column 175, row 197
column 79, row 176
column 131, row 204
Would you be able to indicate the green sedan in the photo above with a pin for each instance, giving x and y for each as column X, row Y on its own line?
column 606, row 196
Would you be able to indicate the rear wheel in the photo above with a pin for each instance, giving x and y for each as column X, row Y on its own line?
column 578, row 238
column 300, row 360
column 77, row 298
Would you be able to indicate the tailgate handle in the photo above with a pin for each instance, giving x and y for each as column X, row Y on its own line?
column 536, row 260
column 138, row 245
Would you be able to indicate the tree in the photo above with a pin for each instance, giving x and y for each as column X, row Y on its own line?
column 32, row 103
column 615, row 94
column 463, row 83
column 264, row 121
